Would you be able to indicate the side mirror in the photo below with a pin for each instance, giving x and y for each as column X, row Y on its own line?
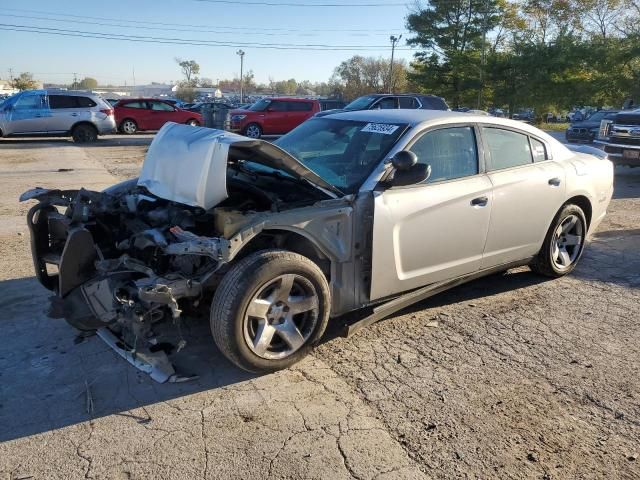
column 417, row 174
column 404, row 160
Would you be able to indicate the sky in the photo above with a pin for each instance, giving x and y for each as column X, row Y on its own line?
column 234, row 24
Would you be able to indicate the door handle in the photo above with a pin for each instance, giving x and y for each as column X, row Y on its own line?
column 479, row 202
column 554, row 182
column 74, row 114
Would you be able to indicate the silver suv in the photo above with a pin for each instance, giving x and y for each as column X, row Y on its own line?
column 82, row 115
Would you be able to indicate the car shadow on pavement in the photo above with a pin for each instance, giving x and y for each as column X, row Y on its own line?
column 50, row 377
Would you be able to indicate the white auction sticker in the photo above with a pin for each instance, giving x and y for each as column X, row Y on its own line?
column 383, row 128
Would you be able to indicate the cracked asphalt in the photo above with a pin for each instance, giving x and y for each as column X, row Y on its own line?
column 511, row 376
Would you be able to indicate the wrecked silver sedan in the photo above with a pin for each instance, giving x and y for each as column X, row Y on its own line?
column 376, row 209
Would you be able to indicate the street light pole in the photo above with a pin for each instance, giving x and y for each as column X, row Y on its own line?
column 241, row 53
column 394, row 40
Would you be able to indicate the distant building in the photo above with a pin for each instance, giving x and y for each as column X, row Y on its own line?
column 6, row 88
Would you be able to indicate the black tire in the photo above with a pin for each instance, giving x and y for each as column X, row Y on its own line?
column 253, row 130
column 544, row 263
column 193, row 122
column 84, row 133
column 128, row 126
column 239, row 287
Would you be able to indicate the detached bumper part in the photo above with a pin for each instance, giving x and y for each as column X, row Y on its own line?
column 155, row 364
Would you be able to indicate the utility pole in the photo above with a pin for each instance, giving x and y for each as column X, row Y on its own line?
column 75, row 81
column 134, row 75
column 241, row 53
column 393, row 40
column 11, row 74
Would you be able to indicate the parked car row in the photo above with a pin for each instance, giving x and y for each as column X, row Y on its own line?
column 275, row 116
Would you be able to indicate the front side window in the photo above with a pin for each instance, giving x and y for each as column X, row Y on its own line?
column 507, row 149
column 387, row 103
column 278, row 106
column 342, row 152
column 29, row 102
column 161, row 106
column 260, row 105
column 451, row 153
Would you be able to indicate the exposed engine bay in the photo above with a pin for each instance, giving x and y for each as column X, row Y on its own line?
column 122, row 260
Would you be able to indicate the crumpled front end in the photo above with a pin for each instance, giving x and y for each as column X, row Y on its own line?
column 120, row 262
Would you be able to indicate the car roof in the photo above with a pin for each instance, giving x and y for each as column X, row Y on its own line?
column 401, row 95
column 426, row 118
column 294, row 99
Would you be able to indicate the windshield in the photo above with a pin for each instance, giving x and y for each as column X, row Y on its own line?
column 9, row 100
column 342, row 152
column 361, row 103
column 596, row 117
column 260, row 105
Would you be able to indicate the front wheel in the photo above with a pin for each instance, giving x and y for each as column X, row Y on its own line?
column 193, row 122
column 253, row 130
column 563, row 244
column 269, row 311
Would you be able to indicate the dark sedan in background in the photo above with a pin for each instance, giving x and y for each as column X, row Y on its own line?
column 388, row 101
column 587, row 130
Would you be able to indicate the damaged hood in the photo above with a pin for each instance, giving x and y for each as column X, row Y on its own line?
column 188, row 164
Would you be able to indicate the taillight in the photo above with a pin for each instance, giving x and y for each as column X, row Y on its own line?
column 107, row 111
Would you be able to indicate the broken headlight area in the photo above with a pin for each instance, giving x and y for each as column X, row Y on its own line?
column 124, row 262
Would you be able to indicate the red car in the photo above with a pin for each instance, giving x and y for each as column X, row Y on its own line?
column 272, row 116
column 150, row 114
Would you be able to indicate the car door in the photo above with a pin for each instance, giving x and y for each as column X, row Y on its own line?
column 528, row 190
column 276, row 118
column 67, row 110
column 435, row 230
column 29, row 114
column 159, row 114
column 298, row 112
column 137, row 110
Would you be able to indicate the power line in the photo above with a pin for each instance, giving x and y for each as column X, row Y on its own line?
column 183, row 41
column 312, row 5
column 143, row 27
column 173, row 24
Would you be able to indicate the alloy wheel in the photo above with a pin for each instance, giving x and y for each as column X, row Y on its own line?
column 567, row 242
column 281, row 316
column 129, row 126
column 253, row 131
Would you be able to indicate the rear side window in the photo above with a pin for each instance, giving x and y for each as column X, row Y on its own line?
column 539, row 150
column 507, row 149
column 161, row 106
column 407, row 102
column 70, row 101
column 300, row 106
column 433, row 103
column 451, row 153
column 135, row 105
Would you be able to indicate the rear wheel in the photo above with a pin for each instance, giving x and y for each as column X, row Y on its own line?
column 253, row 130
column 129, row 126
column 270, row 309
column 563, row 244
column 84, row 134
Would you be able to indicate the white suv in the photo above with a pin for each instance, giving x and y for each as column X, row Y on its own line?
column 82, row 115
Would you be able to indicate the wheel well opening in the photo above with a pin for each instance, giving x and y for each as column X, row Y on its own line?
column 88, row 124
column 584, row 203
column 290, row 241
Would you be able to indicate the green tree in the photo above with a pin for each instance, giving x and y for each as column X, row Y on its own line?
column 186, row 93
column 87, row 83
column 450, row 34
column 190, row 70
column 24, row 81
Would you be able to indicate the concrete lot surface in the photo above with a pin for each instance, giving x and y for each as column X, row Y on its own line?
column 511, row 376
